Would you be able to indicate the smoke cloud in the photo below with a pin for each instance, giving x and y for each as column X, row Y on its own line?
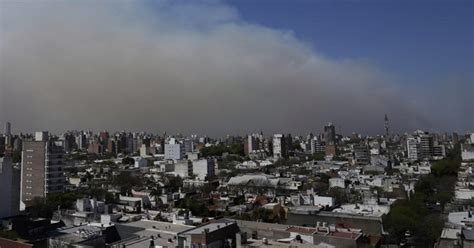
column 184, row 67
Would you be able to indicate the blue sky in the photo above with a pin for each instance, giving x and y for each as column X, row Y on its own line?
column 419, row 42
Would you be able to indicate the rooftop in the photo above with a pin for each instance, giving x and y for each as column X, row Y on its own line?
column 450, row 233
column 210, row 227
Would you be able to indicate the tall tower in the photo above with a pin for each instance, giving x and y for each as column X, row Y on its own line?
column 7, row 133
column 386, row 126
column 330, row 140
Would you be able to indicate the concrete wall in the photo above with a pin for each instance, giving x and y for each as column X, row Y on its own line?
column 369, row 225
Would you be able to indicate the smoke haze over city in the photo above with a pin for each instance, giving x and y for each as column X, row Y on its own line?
column 201, row 67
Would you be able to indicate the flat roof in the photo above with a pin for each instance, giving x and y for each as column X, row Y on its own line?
column 159, row 226
column 211, row 226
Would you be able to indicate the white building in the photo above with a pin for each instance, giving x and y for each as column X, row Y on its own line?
column 203, row 168
column 323, row 201
column 278, row 146
column 464, row 194
column 467, row 151
column 174, row 150
column 412, row 148
column 183, row 168
column 336, row 182
column 144, row 150
column 461, row 219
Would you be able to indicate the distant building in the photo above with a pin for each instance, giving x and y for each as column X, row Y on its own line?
column 317, row 146
column 81, row 141
column 426, row 146
column 183, row 168
column 95, row 148
column 279, row 146
column 251, row 144
column 203, row 168
column 330, row 140
column 336, row 182
column 423, row 146
column 188, row 145
column 467, row 152
column 439, row 151
column 8, row 134
column 412, row 148
column 361, row 154
column 41, row 136
column 144, row 150
column 174, row 150
column 330, row 134
column 9, row 188
column 42, row 164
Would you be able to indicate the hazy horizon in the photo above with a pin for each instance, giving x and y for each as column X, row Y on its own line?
column 211, row 67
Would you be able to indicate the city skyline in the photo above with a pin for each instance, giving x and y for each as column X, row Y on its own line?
column 215, row 67
column 316, row 131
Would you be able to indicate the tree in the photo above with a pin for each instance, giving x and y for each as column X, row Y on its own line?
column 156, row 193
column 16, row 157
column 128, row 161
column 173, row 183
column 126, row 182
column 417, row 214
column 319, row 156
column 338, row 194
column 339, row 158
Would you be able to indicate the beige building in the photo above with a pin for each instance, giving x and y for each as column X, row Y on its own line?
column 41, row 169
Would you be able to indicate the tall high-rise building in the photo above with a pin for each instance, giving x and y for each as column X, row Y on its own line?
column 188, row 145
column 423, row 146
column 330, row 134
column 174, row 150
column 8, row 134
column 330, row 140
column 254, row 143
column 361, row 154
column 317, row 146
column 9, row 187
column 81, row 141
column 426, row 146
column 386, row 127
column 41, row 168
column 279, row 146
column 250, row 145
column 413, row 150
